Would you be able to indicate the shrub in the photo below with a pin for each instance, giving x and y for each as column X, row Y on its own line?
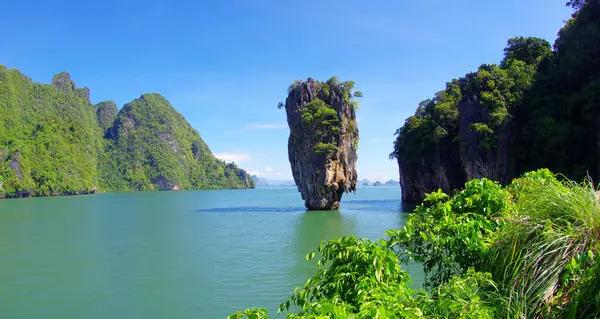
column 449, row 235
column 528, row 250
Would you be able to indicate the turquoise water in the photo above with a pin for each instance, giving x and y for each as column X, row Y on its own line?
column 196, row 254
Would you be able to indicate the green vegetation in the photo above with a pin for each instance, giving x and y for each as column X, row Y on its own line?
column 527, row 250
column 52, row 143
column 559, row 116
column 49, row 139
column 322, row 116
column 530, row 249
column 497, row 88
column 151, row 146
column 538, row 105
column 324, row 121
column 106, row 113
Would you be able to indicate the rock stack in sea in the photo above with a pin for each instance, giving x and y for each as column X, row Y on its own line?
column 323, row 140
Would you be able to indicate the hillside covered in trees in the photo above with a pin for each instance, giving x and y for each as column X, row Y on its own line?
column 53, row 141
column 539, row 107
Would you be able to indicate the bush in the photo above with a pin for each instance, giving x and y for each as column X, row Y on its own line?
column 449, row 235
column 528, row 250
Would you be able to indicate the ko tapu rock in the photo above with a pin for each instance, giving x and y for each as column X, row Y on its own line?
column 323, row 140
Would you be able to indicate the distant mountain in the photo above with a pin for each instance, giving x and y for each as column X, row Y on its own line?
column 151, row 146
column 54, row 141
column 365, row 182
column 263, row 182
column 392, row 182
column 49, row 139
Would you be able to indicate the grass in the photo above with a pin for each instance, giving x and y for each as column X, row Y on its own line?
column 553, row 223
column 528, row 250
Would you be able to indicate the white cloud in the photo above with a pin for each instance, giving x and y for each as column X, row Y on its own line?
column 233, row 157
column 267, row 172
column 256, row 126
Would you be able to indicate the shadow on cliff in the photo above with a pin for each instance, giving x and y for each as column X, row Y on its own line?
column 379, row 205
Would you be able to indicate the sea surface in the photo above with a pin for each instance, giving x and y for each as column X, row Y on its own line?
column 188, row 254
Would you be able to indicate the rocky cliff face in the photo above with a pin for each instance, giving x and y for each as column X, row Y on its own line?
column 478, row 158
column 246, row 179
column 63, row 82
column 49, row 140
column 53, row 141
column 458, row 155
column 443, row 171
column 323, row 141
column 151, row 146
column 106, row 114
column 468, row 130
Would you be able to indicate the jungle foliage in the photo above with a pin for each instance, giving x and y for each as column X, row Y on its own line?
column 53, row 141
column 151, row 146
column 49, row 139
column 321, row 116
column 543, row 100
column 527, row 250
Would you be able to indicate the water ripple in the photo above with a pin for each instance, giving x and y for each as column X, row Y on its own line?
column 252, row 209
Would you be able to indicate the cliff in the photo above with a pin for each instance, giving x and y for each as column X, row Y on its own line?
column 467, row 130
column 106, row 114
column 53, row 141
column 323, row 140
column 559, row 123
column 151, row 146
column 49, row 140
column 483, row 152
column 537, row 108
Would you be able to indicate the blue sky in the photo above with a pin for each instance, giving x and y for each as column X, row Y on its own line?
column 225, row 64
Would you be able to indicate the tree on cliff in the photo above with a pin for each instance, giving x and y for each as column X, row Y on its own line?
column 152, row 146
column 527, row 250
column 323, row 139
column 559, row 123
column 52, row 142
column 49, row 139
column 538, row 108
column 464, row 126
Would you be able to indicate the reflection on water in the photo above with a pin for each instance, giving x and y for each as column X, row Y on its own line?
column 312, row 227
column 408, row 207
column 251, row 209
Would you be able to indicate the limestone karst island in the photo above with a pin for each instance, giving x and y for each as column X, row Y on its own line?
column 56, row 142
column 146, row 173
column 323, row 140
